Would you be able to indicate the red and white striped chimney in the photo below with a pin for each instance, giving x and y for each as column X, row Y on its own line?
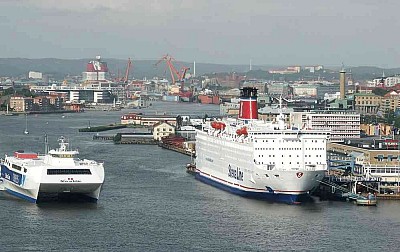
column 248, row 103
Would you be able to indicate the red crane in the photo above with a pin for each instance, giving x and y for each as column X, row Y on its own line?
column 175, row 75
column 128, row 68
column 182, row 77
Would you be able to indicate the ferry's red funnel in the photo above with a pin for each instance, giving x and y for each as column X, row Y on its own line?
column 248, row 103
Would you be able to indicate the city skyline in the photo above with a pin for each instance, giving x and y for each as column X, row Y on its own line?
column 227, row 32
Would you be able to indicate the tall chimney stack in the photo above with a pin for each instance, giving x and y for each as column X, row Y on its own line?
column 194, row 68
column 248, row 103
column 342, row 81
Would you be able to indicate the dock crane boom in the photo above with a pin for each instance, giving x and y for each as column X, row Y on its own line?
column 128, row 67
column 175, row 75
column 182, row 77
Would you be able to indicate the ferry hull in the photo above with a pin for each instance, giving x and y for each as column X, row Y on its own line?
column 91, row 190
column 21, row 195
column 289, row 198
column 88, row 191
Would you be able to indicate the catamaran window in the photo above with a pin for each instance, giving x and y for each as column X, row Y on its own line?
column 68, row 171
column 16, row 167
column 62, row 155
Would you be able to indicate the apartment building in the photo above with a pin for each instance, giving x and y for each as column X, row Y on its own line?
column 344, row 124
column 21, row 104
column 367, row 103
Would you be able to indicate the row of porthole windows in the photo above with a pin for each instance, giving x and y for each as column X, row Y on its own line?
column 289, row 163
column 266, row 141
column 289, row 148
column 290, row 155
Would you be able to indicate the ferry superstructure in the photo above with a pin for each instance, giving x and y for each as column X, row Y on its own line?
column 254, row 158
column 60, row 171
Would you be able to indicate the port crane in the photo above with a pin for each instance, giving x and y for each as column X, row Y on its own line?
column 182, row 81
column 128, row 68
column 176, row 76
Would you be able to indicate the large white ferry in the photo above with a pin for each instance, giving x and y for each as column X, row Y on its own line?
column 31, row 176
column 254, row 158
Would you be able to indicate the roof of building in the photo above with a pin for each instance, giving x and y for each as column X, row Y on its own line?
column 366, row 94
column 161, row 123
column 159, row 116
column 392, row 93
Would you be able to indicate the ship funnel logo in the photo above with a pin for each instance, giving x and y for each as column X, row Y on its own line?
column 299, row 174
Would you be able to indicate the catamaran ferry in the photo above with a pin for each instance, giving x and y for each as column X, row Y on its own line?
column 30, row 176
column 254, row 158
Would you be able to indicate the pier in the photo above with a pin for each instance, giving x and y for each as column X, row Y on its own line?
column 102, row 128
column 104, row 138
column 175, row 148
column 138, row 141
column 356, row 188
column 388, row 196
column 135, row 138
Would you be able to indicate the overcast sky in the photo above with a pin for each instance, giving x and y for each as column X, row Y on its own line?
column 358, row 32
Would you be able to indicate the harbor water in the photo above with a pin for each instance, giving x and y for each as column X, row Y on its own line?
column 150, row 203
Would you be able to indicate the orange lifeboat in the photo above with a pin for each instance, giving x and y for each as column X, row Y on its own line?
column 242, row 131
column 218, row 125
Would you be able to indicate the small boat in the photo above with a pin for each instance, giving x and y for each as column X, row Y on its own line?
column 191, row 168
column 26, row 132
column 367, row 200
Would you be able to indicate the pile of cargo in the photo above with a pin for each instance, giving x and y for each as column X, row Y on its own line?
column 174, row 141
column 178, row 144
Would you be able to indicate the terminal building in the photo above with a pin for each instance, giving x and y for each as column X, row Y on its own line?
column 344, row 124
column 147, row 120
column 103, row 93
column 379, row 158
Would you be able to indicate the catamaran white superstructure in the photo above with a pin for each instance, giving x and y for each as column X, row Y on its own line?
column 59, row 171
column 254, row 158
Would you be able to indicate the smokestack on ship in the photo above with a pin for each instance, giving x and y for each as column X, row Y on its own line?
column 248, row 103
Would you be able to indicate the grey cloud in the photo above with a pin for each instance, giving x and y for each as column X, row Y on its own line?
column 281, row 32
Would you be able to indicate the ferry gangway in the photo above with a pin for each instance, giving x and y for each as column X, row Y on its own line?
column 346, row 193
column 335, row 186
